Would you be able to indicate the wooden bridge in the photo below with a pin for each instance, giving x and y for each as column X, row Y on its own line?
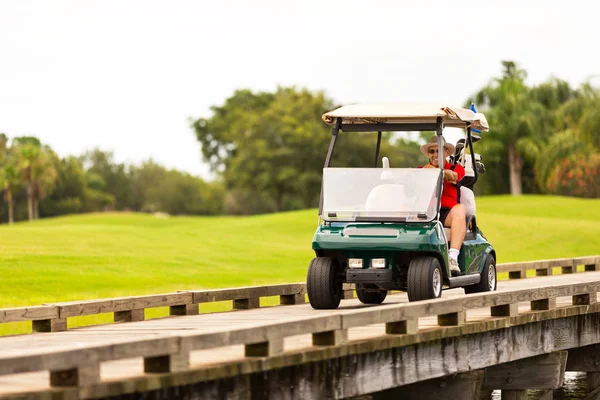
column 523, row 336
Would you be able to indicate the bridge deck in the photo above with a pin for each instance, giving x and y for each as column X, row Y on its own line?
column 221, row 322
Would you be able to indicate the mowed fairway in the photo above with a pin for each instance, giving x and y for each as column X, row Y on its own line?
column 120, row 254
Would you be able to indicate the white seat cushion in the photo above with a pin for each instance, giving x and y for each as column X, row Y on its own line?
column 467, row 199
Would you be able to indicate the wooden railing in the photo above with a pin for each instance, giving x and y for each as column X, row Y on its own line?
column 53, row 317
column 518, row 270
column 73, row 365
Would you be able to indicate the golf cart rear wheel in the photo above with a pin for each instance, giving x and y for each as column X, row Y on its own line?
column 370, row 294
column 425, row 278
column 324, row 283
column 488, row 280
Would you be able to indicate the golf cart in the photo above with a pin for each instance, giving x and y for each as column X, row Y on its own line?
column 379, row 227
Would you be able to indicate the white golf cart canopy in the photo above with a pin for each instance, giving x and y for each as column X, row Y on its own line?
column 406, row 113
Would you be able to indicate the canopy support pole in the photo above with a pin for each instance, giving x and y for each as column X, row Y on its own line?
column 334, row 134
column 377, row 149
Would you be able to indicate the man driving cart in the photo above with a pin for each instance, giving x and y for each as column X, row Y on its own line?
column 452, row 214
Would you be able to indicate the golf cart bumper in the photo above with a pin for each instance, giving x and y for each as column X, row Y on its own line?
column 368, row 275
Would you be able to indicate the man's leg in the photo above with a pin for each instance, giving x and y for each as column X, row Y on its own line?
column 456, row 221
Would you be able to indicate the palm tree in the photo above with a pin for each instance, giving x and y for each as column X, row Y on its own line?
column 10, row 179
column 513, row 117
column 29, row 155
column 44, row 180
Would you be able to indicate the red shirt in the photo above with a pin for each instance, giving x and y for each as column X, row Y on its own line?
column 450, row 193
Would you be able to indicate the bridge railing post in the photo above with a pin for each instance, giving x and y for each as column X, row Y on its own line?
column 452, row 319
column 585, row 299
column 129, row 315
column 543, row 304
column 80, row 376
column 330, row 338
column 408, row 326
column 505, row 310
column 184, row 309
column 264, row 349
column 167, row 363
column 49, row 325
column 290, row 299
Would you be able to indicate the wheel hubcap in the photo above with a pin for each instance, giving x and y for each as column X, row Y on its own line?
column 492, row 276
column 437, row 282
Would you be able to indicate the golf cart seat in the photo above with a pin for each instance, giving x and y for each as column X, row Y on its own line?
column 378, row 199
column 467, row 199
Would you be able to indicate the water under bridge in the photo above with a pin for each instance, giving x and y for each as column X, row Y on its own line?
column 542, row 321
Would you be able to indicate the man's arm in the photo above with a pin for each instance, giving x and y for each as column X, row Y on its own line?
column 454, row 176
column 450, row 176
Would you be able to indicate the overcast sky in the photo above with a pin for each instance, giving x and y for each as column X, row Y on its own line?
column 127, row 76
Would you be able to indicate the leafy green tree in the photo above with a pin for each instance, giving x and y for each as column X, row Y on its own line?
column 116, row 176
column 269, row 148
column 157, row 189
column 568, row 162
column 70, row 192
column 95, row 197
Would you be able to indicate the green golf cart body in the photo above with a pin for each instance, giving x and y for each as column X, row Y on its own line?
column 380, row 227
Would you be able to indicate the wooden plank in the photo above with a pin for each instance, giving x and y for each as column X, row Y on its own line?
column 522, row 267
column 285, row 289
column 206, row 296
column 541, row 372
column 28, row 313
column 260, row 333
column 589, row 260
column 90, row 307
column 73, row 358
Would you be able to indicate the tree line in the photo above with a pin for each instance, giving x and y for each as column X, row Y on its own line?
column 37, row 183
column 267, row 151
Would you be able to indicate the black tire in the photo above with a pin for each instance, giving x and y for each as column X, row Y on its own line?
column 425, row 279
column 370, row 294
column 488, row 282
column 324, row 283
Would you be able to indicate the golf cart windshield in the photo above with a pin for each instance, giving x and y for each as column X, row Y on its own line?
column 380, row 195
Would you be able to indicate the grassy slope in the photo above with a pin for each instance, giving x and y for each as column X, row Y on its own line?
column 110, row 255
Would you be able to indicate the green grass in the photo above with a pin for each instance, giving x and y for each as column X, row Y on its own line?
column 121, row 254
